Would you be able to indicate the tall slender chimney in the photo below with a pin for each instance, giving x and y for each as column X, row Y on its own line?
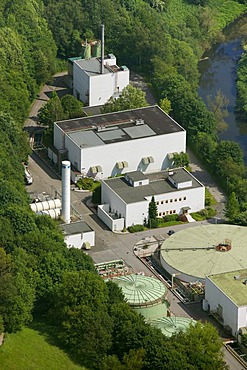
column 66, row 191
column 102, row 47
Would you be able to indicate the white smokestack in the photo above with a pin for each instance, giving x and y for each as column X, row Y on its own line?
column 66, row 191
column 102, row 47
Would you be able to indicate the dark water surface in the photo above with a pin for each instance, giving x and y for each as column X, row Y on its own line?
column 219, row 73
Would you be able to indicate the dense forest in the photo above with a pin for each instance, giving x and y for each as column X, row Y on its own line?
column 39, row 276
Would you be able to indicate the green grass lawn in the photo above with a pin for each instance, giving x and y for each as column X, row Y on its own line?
column 30, row 349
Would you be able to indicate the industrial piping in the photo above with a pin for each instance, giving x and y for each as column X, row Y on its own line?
column 66, row 191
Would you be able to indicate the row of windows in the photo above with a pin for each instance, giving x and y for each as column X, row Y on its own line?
column 170, row 201
column 167, row 213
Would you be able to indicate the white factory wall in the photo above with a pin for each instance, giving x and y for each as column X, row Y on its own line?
column 132, row 151
column 74, row 153
column 77, row 240
column 116, row 204
column 58, row 137
column 123, row 79
column 81, row 83
column 242, row 317
column 182, row 276
column 136, row 213
column 216, row 297
column 101, row 88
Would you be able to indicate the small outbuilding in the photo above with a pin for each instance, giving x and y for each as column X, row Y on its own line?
column 78, row 235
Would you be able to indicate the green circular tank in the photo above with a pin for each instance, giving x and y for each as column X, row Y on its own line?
column 144, row 294
column 172, row 325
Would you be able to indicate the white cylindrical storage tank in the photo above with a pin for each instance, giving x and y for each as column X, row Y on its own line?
column 44, row 206
column 53, row 213
column 205, row 305
column 66, row 191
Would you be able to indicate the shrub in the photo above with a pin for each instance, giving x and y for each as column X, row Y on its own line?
column 96, row 197
column 85, row 183
column 136, row 228
column 173, row 217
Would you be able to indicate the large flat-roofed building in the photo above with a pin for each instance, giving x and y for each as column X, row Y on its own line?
column 226, row 295
column 78, row 235
column 94, row 84
column 125, row 200
column 109, row 144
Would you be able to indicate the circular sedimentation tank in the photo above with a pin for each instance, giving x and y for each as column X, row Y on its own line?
column 172, row 325
column 193, row 253
column 144, row 294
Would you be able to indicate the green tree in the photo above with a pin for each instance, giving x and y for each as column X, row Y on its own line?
column 232, row 208
column 51, row 112
column 130, row 98
column 165, row 104
column 71, row 106
column 201, row 346
column 181, row 159
column 152, row 213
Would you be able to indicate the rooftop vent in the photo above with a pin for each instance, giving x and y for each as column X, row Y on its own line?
column 139, row 122
column 170, row 173
column 100, row 128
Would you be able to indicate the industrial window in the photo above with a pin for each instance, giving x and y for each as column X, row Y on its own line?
column 157, row 203
column 175, row 200
column 164, row 213
column 166, row 201
column 162, row 202
column 170, row 212
column 184, row 198
column 180, row 199
column 170, row 200
column 174, row 211
column 160, row 214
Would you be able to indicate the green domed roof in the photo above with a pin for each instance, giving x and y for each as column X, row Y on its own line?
column 172, row 325
column 140, row 290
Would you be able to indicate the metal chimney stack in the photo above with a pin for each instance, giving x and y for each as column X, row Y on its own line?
column 102, row 47
column 66, row 191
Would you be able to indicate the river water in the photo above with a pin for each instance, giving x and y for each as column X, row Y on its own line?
column 218, row 72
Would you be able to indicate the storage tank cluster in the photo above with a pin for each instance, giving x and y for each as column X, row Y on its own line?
column 55, row 208
column 51, row 208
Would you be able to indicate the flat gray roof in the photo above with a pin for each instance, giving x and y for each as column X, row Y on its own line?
column 158, row 184
column 91, row 66
column 75, row 228
column 119, row 126
column 136, row 176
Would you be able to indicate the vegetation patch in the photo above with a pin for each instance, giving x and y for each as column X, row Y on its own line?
column 33, row 350
column 87, row 183
column 136, row 228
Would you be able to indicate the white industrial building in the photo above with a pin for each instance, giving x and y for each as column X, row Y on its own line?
column 95, row 85
column 125, row 200
column 110, row 144
column 78, row 235
column 226, row 295
column 96, row 77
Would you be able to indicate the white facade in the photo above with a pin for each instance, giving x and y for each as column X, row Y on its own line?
column 130, row 203
column 102, row 154
column 232, row 314
column 95, row 88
